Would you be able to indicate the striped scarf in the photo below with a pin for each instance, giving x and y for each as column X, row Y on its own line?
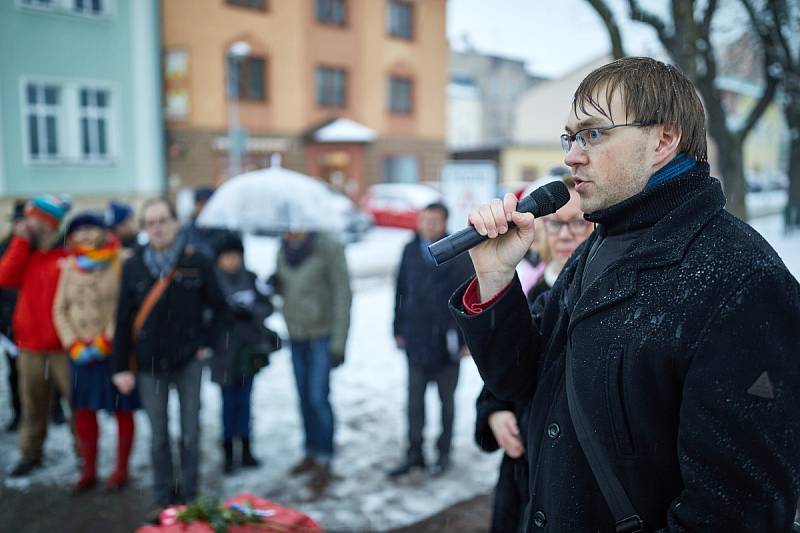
column 89, row 258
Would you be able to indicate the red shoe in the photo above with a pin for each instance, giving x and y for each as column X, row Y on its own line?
column 84, row 484
column 117, row 481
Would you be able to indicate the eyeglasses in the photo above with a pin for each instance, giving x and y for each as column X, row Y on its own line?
column 575, row 226
column 588, row 137
column 163, row 221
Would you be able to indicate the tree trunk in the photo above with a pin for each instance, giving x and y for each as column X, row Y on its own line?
column 729, row 149
column 792, row 212
column 732, row 168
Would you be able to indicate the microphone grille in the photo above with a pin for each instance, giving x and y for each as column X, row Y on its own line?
column 551, row 197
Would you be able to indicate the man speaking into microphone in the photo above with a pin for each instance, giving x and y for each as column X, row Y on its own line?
column 663, row 366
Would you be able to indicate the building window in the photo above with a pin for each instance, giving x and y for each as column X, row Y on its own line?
column 400, row 19
column 89, row 7
column 331, row 12
column 37, row 3
column 94, row 113
column 331, row 87
column 43, row 109
column 400, row 91
column 250, row 77
column 254, row 4
column 401, row 169
column 93, row 8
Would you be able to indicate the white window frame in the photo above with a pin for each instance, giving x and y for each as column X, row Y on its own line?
column 68, row 122
column 69, row 7
column 42, row 111
column 93, row 112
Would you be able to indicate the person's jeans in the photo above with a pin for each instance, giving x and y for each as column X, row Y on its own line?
column 312, row 370
column 154, row 393
column 236, row 409
column 446, row 379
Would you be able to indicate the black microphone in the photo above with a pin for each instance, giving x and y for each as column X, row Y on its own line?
column 543, row 201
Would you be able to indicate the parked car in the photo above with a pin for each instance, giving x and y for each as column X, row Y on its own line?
column 357, row 222
column 398, row 204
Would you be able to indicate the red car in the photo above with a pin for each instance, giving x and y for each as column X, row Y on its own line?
column 397, row 205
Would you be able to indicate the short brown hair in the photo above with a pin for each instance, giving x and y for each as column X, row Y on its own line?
column 653, row 93
column 150, row 202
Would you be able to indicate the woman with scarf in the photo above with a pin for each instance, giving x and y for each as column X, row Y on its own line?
column 83, row 313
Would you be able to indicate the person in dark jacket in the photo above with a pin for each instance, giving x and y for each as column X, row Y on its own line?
column 424, row 328
column 242, row 348
column 8, row 299
column 172, row 345
column 674, row 325
column 498, row 422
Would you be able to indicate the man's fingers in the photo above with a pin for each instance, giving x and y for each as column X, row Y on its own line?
column 524, row 221
column 485, row 212
column 499, row 216
column 476, row 221
column 513, row 428
column 509, row 205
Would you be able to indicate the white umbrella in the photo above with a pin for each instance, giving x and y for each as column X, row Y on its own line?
column 274, row 200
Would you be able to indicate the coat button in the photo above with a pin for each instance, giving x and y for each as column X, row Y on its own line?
column 539, row 519
column 553, row 430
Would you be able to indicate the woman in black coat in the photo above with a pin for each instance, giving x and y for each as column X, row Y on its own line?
column 243, row 347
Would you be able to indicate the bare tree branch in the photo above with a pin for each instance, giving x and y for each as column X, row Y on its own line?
column 640, row 15
column 763, row 103
column 779, row 12
column 770, row 49
column 708, row 15
column 610, row 22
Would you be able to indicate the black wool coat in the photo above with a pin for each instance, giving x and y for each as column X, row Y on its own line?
column 685, row 355
column 177, row 325
column 250, row 307
column 421, row 314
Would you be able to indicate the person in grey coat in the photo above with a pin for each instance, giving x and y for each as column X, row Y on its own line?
column 313, row 280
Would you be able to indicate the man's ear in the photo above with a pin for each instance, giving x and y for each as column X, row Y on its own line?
column 669, row 138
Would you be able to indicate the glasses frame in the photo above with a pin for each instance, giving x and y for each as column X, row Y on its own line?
column 567, row 139
column 548, row 224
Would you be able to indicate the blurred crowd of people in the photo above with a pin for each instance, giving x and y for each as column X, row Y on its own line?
column 110, row 311
column 112, row 317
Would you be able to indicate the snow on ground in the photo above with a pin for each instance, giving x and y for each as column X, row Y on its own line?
column 369, row 400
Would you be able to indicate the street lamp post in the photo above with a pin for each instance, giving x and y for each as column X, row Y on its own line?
column 236, row 52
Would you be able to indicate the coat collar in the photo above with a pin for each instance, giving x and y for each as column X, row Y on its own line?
column 674, row 211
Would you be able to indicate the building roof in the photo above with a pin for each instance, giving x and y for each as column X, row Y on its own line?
column 542, row 110
column 342, row 130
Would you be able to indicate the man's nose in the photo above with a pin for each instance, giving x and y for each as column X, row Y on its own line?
column 576, row 155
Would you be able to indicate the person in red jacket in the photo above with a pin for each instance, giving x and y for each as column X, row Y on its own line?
column 31, row 265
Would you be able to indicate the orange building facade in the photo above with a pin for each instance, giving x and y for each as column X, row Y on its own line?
column 352, row 91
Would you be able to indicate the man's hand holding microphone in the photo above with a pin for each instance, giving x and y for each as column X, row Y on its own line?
column 499, row 236
column 495, row 260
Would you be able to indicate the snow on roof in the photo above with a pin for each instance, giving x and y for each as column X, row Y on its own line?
column 344, row 130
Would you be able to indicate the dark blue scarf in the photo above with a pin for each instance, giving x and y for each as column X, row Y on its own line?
column 683, row 162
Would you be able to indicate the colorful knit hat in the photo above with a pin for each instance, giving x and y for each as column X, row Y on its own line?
column 50, row 207
column 86, row 218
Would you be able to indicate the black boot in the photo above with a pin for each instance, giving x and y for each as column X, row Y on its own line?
column 247, row 458
column 412, row 461
column 228, row 447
